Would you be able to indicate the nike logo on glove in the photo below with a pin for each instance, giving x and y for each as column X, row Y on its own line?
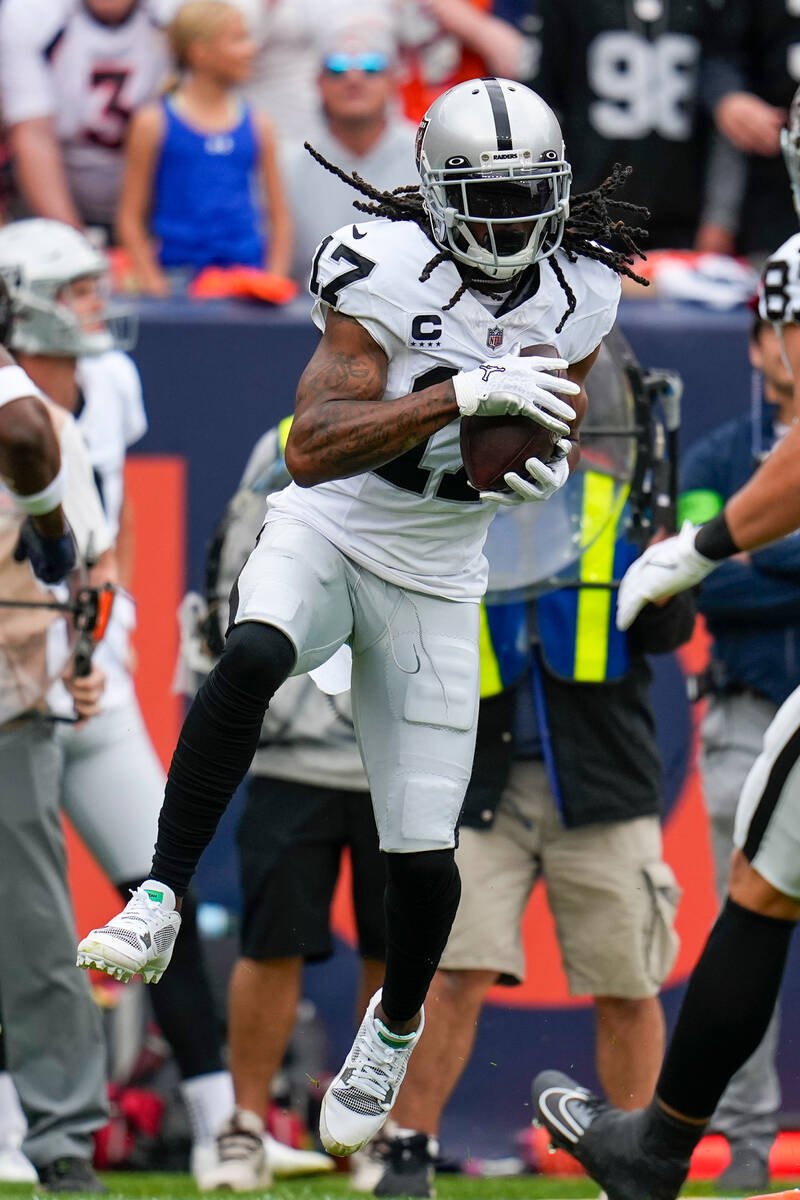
column 356, row 234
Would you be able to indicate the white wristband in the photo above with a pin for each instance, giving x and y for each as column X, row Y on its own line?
column 15, row 384
column 37, row 503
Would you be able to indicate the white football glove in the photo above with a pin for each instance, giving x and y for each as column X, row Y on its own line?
column 663, row 570
column 544, row 478
column 519, row 387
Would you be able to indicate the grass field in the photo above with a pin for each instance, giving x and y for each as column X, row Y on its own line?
column 132, row 1186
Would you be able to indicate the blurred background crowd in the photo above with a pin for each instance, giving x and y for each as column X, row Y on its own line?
column 175, row 132
column 173, row 135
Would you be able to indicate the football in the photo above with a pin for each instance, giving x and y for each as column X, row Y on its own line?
column 492, row 446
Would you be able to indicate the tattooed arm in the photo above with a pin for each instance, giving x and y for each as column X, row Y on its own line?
column 342, row 424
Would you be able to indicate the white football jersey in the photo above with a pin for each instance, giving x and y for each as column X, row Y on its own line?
column 779, row 293
column 111, row 418
column 34, row 645
column 57, row 61
column 416, row 521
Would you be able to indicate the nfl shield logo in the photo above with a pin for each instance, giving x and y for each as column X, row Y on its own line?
column 494, row 338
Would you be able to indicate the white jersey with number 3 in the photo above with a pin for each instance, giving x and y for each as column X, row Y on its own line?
column 416, row 521
column 57, row 61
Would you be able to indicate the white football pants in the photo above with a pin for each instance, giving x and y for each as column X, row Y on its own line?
column 416, row 673
column 768, row 816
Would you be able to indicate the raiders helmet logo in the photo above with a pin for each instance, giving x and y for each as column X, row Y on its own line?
column 494, row 338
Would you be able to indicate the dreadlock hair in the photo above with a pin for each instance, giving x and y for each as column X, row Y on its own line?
column 591, row 224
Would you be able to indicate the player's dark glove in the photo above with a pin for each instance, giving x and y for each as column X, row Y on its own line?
column 51, row 558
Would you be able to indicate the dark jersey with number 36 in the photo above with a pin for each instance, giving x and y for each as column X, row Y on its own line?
column 623, row 77
column 416, row 521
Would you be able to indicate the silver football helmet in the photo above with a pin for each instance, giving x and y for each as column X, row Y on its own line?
column 39, row 259
column 495, row 181
column 790, row 145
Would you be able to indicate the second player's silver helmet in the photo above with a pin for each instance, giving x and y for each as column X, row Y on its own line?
column 494, row 177
column 39, row 258
column 790, row 145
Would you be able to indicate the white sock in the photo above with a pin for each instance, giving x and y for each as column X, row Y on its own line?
column 13, row 1124
column 209, row 1101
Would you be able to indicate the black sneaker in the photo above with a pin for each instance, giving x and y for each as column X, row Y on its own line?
column 410, row 1160
column 748, row 1170
column 609, row 1143
column 70, row 1175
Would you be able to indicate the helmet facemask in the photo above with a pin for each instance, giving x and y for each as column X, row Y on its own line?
column 501, row 216
column 55, row 273
column 790, row 145
column 47, row 319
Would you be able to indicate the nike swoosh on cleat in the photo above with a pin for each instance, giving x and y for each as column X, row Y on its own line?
column 570, row 1128
column 146, row 939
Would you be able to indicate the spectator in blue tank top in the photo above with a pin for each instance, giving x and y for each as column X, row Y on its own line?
column 198, row 162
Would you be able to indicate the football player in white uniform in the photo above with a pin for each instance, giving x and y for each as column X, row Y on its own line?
column 645, row 1155
column 378, row 541
column 48, row 506
column 71, row 74
column 111, row 780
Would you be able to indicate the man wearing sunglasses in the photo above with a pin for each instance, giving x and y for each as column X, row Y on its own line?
column 359, row 128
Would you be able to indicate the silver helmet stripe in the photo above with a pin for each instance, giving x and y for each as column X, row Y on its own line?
column 502, row 121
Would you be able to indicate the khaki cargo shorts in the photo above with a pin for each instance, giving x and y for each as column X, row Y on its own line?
column 612, row 896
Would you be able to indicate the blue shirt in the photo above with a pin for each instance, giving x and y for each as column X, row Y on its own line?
column 752, row 608
column 204, row 209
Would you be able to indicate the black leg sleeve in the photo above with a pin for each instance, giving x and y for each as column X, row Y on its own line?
column 216, row 746
column 422, row 894
column 726, row 1010
column 182, row 1002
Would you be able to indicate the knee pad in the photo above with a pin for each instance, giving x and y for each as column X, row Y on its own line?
column 257, row 659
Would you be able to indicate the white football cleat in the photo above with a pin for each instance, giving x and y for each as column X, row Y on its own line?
column 15, row 1167
column 287, row 1161
column 140, row 940
column 368, row 1164
column 360, row 1098
column 209, row 1101
column 241, row 1164
column 202, row 1161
